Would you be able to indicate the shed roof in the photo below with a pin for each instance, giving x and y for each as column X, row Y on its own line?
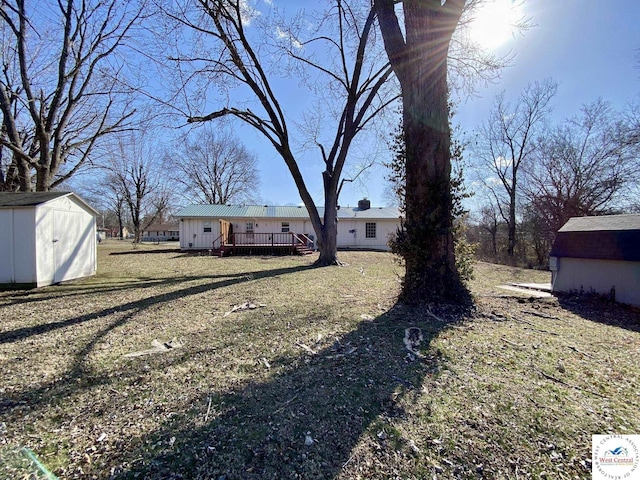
column 609, row 237
column 257, row 211
column 33, row 199
column 603, row 222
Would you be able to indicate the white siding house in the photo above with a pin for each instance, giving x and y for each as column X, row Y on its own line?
column 46, row 238
column 598, row 255
column 161, row 232
column 206, row 226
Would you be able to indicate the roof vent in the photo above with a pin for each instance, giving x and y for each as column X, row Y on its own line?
column 364, row 204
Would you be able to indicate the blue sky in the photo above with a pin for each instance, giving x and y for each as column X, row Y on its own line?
column 590, row 47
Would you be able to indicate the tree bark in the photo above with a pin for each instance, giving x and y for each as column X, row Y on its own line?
column 327, row 242
column 511, row 246
column 431, row 272
column 419, row 59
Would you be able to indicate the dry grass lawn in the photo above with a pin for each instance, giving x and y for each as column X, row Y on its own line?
column 145, row 371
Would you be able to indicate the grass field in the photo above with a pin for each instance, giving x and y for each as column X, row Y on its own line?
column 166, row 365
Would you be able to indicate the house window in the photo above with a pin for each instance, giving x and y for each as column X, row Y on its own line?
column 207, row 227
column 249, row 227
column 370, row 230
column 285, row 227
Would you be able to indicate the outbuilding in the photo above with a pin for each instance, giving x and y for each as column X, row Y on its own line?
column 248, row 226
column 598, row 255
column 46, row 238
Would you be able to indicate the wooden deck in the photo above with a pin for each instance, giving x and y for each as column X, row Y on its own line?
column 285, row 243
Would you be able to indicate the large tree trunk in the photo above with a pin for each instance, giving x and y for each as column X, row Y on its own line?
column 431, row 272
column 328, row 232
column 419, row 59
column 43, row 179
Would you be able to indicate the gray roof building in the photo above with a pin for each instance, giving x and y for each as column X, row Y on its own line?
column 608, row 237
column 598, row 255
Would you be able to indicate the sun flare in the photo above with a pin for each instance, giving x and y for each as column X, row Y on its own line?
column 495, row 22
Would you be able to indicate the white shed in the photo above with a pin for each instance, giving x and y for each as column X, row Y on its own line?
column 46, row 238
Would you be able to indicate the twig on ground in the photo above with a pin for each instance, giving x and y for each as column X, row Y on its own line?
column 535, row 327
column 545, row 331
column 307, row 348
column 512, row 343
column 571, row 347
column 541, row 315
column 282, row 407
column 562, row 382
column 434, row 316
column 206, row 416
column 351, row 457
column 266, row 363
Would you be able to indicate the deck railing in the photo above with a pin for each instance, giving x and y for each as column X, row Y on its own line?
column 268, row 239
column 218, row 241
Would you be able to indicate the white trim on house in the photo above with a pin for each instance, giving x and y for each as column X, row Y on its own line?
column 200, row 225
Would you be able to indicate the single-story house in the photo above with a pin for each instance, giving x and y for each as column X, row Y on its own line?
column 102, row 233
column 46, row 238
column 161, row 232
column 214, row 226
column 598, row 255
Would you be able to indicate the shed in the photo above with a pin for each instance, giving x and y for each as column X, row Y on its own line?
column 598, row 255
column 46, row 238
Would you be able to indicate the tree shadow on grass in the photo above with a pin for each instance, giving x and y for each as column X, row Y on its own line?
column 601, row 310
column 305, row 420
column 77, row 376
column 147, row 302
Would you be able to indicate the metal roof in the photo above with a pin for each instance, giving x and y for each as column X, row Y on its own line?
column 373, row 213
column 33, row 199
column 257, row 211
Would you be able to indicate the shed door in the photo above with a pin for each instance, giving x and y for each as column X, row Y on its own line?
column 72, row 253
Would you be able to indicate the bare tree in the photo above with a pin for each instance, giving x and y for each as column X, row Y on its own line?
column 349, row 69
column 583, row 167
column 216, row 169
column 132, row 180
column 58, row 91
column 489, row 222
column 506, row 141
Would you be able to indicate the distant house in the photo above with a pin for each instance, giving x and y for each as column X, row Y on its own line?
column 225, row 226
column 46, row 238
column 161, row 232
column 102, row 233
column 599, row 255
